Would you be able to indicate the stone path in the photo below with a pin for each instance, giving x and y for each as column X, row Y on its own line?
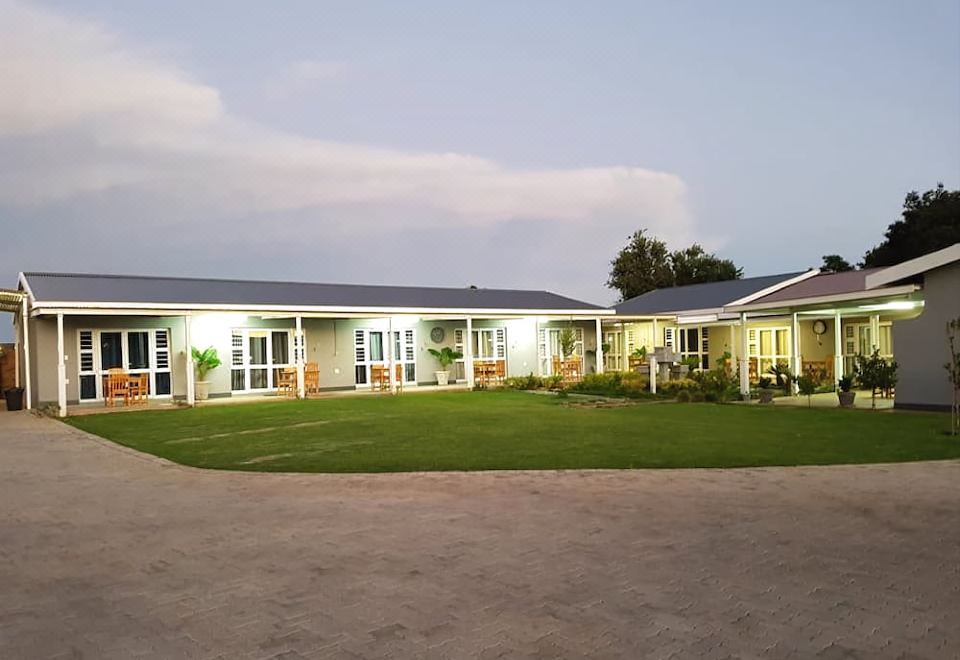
column 106, row 553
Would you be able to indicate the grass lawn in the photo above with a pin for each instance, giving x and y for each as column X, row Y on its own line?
column 516, row 430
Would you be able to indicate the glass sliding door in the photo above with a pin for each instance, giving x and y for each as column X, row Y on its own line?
column 370, row 348
column 134, row 351
column 257, row 357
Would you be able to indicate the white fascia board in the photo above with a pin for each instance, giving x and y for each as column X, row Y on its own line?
column 826, row 300
column 22, row 279
column 171, row 308
column 774, row 288
column 914, row 267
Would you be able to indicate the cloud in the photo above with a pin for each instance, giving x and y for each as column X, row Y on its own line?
column 83, row 112
column 303, row 77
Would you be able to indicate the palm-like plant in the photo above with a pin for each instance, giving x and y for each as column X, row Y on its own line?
column 205, row 361
column 445, row 356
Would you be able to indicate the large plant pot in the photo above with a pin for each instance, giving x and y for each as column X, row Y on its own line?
column 846, row 399
column 202, row 390
column 443, row 377
column 14, row 397
column 766, row 396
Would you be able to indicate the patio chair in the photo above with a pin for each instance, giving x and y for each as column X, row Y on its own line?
column 138, row 389
column 311, row 378
column 287, row 382
column 117, row 385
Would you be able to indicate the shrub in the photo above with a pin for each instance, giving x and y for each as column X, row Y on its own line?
column 683, row 396
column 529, row 382
column 807, row 386
column 875, row 373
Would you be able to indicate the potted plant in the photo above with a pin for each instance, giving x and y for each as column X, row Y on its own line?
column 766, row 392
column 782, row 373
column 445, row 356
column 204, row 362
column 845, row 393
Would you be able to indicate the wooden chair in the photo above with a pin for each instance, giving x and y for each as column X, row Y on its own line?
column 398, row 377
column 311, row 378
column 572, row 370
column 287, row 382
column 117, row 385
column 138, row 389
column 501, row 374
column 379, row 377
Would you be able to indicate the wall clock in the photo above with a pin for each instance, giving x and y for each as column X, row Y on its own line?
column 437, row 334
column 819, row 327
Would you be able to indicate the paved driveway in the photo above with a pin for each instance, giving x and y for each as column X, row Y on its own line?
column 105, row 553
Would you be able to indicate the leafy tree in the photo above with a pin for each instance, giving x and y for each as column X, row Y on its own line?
column 643, row 265
column 931, row 221
column 834, row 263
column 694, row 265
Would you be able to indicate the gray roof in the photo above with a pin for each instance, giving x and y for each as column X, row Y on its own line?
column 711, row 295
column 86, row 288
column 824, row 284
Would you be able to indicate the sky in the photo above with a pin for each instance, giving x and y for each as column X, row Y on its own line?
column 496, row 144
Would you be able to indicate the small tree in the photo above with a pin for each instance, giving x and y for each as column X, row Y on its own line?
column 807, row 386
column 873, row 372
column 953, row 372
column 205, row 361
column 568, row 342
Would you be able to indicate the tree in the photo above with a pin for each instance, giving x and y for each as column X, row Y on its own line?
column 931, row 221
column 834, row 263
column 694, row 265
column 953, row 372
column 643, row 265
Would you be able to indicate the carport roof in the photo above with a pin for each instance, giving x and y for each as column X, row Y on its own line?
column 125, row 290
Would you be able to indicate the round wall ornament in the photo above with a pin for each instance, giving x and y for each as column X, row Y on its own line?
column 819, row 327
column 437, row 334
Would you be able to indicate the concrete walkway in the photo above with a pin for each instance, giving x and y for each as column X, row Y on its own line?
column 106, row 553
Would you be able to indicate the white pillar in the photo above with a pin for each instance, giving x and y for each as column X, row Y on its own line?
column 300, row 347
column 837, row 348
column 28, row 390
column 733, row 347
column 656, row 337
column 391, row 359
column 744, row 357
column 652, row 362
column 599, row 346
column 874, row 332
column 188, row 340
column 795, row 349
column 61, row 370
column 468, row 352
column 624, row 358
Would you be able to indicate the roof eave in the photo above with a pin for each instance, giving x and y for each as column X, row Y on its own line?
column 73, row 307
column 814, row 301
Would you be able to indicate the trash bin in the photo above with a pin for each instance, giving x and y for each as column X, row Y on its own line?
column 14, row 397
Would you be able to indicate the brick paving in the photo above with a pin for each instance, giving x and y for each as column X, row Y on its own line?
column 106, row 553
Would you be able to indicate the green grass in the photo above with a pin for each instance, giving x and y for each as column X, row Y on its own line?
column 517, row 430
